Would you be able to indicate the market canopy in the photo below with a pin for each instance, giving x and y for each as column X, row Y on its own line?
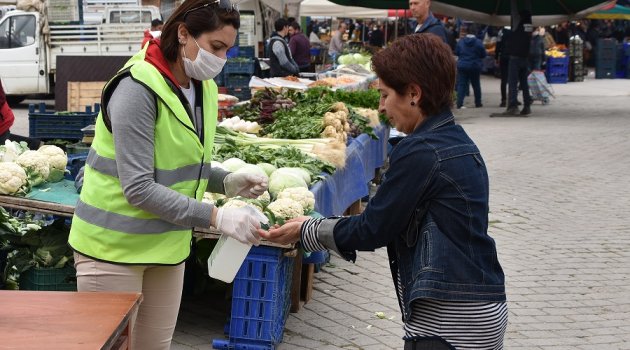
column 325, row 8
column 617, row 12
column 496, row 12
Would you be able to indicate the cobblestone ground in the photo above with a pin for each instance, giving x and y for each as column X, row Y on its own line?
column 560, row 203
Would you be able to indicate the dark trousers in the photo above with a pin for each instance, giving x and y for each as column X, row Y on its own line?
column 518, row 71
column 535, row 62
column 504, row 63
column 467, row 76
column 428, row 343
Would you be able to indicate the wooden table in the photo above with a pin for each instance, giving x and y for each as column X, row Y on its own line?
column 66, row 320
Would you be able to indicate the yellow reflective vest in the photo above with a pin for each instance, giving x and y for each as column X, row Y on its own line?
column 105, row 226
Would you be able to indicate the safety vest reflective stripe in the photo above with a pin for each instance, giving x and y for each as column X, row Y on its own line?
column 123, row 223
column 167, row 178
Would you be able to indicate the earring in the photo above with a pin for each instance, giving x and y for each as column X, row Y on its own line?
column 181, row 41
column 413, row 103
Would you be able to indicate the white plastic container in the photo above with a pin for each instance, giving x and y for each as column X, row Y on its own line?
column 226, row 258
column 228, row 255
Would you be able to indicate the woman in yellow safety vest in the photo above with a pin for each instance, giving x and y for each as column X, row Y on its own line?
column 149, row 166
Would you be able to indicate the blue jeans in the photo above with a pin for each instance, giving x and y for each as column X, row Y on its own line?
column 467, row 76
column 517, row 76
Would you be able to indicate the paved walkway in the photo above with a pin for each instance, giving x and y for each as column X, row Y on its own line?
column 560, row 204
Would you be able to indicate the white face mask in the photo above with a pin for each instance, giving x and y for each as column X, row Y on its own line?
column 205, row 67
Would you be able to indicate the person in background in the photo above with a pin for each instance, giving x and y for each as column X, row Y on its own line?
column 336, row 43
column 300, row 47
column 281, row 61
column 470, row 53
column 427, row 23
column 561, row 34
column 156, row 30
column 431, row 209
column 149, row 166
column 537, row 49
column 6, row 117
column 503, row 61
column 517, row 47
column 377, row 39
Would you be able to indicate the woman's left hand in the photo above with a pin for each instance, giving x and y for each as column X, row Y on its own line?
column 286, row 234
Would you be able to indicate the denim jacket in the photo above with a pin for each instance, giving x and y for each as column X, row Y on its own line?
column 431, row 211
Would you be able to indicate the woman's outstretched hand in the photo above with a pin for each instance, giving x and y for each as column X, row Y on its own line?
column 285, row 234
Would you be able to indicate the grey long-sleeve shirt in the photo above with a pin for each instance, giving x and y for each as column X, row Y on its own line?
column 284, row 58
column 132, row 110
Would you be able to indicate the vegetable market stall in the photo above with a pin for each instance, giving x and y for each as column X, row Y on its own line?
column 346, row 186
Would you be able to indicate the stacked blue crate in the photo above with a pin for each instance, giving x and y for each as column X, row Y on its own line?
column 246, row 51
column 260, row 301
column 557, row 70
column 44, row 124
column 623, row 61
column 606, row 59
column 236, row 77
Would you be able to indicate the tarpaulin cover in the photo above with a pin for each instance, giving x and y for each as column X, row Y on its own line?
column 62, row 192
column 335, row 193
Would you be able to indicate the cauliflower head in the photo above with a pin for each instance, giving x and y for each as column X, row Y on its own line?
column 239, row 203
column 264, row 198
column 57, row 161
column 286, row 208
column 301, row 195
column 36, row 166
column 13, row 179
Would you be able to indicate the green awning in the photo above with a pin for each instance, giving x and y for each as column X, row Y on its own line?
column 617, row 12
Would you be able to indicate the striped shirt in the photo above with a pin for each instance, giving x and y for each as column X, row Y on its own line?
column 463, row 324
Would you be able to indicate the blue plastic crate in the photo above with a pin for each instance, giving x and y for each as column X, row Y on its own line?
column 237, row 81
column 232, row 52
column 50, row 125
column 316, row 258
column 260, row 301
column 557, row 61
column 239, row 67
column 75, row 162
column 246, row 51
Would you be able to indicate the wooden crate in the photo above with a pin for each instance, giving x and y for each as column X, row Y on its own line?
column 84, row 93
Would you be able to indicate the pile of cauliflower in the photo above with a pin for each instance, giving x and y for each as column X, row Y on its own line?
column 336, row 123
column 284, row 201
column 21, row 169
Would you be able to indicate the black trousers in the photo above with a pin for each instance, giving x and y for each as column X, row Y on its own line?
column 429, row 343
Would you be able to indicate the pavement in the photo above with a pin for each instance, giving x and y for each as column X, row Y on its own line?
column 559, row 207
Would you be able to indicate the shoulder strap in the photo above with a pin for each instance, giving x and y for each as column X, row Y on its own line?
column 108, row 90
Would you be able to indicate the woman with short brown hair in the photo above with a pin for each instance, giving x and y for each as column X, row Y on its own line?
column 430, row 211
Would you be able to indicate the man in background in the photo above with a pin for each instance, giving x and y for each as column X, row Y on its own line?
column 336, row 43
column 280, row 59
column 517, row 46
column 154, row 32
column 427, row 23
column 300, row 47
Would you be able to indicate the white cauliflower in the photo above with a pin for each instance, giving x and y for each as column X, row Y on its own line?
column 264, row 198
column 301, row 195
column 57, row 161
column 13, row 179
column 238, row 203
column 36, row 166
column 286, row 208
column 213, row 198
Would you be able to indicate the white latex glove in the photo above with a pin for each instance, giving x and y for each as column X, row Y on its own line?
column 245, row 185
column 241, row 223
